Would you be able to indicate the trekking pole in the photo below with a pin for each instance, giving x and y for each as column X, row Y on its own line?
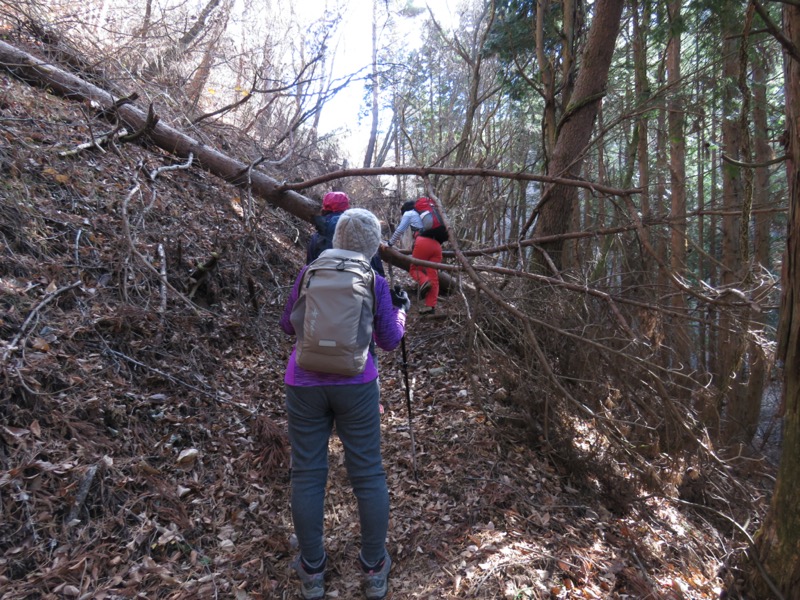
column 408, row 404
column 408, row 388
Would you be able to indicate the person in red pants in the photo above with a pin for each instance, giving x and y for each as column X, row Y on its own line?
column 427, row 248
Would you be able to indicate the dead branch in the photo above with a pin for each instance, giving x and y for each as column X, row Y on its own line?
column 163, row 258
column 38, row 72
column 747, row 165
column 461, row 172
column 156, row 172
column 80, row 497
column 673, row 277
column 751, row 544
column 149, row 125
column 525, row 319
column 776, row 32
column 213, row 395
column 31, row 69
column 575, row 235
column 45, row 301
column 127, row 231
column 97, row 143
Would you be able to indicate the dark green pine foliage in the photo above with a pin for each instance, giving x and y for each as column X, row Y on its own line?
column 512, row 40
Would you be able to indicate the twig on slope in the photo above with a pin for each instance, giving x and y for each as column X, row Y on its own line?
column 214, row 395
column 127, row 231
column 47, row 300
column 751, row 544
column 156, row 172
column 162, row 309
column 80, row 497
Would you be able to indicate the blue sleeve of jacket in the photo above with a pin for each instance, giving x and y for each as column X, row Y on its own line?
column 405, row 221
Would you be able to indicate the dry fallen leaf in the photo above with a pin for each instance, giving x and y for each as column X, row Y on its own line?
column 187, row 458
column 40, row 344
column 56, row 176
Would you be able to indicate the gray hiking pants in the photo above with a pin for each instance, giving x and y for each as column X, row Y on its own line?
column 355, row 411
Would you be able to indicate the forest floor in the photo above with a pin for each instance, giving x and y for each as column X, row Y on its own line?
column 142, row 435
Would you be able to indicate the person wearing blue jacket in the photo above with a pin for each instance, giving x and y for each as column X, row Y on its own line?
column 333, row 205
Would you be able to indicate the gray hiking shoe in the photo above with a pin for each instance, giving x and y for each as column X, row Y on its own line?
column 376, row 579
column 312, row 585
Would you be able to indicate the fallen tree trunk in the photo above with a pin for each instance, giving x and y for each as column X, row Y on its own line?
column 37, row 72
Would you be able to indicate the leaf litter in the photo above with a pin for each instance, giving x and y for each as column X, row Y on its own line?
column 143, row 452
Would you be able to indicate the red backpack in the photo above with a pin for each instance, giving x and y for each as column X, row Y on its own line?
column 432, row 223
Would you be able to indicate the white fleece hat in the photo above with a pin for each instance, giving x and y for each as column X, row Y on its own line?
column 358, row 230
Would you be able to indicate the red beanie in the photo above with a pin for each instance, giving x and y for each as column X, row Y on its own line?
column 335, row 202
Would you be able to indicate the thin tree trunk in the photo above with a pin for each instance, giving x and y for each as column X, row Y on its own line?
column 763, row 151
column 662, row 168
column 549, row 116
column 194, row 89
column 569, row 31
column 701, row 233
column 475, row 61
column 757, row 359
column 713, row 267
column 369, row 155
column 642, row 88
column 146, row 20
column 677, row 161
column 178, row 49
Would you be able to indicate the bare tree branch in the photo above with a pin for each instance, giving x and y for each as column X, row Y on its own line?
column 425, row 171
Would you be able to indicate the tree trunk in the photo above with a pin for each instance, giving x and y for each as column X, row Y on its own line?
column 744, row 399
column 701, row 231
column 569, row 30
column 757, row 359
column 547, row 76
column 369, row 155
column 730, row 349
column 178, row 49
column 677, row 168
column 642, row 88
column 713, row 250
column 663, row 282
column 779, row 542
column 36, row 72
column 577, row 122
column 761, row 196
column 196, row 85
column 144, row 30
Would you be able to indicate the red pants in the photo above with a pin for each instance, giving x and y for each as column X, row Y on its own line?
column 430, row 250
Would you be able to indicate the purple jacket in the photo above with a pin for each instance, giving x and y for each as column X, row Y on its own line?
column 390, row 326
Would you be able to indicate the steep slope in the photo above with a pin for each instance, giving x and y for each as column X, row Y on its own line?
column 142, row 446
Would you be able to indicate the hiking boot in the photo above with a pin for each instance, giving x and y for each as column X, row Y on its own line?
column 376, row 578
column 312, row 585
column 427, row 310
column 424, row 289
